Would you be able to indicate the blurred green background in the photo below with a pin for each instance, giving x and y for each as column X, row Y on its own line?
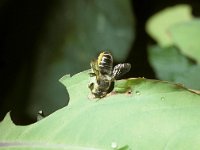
column 43, row 40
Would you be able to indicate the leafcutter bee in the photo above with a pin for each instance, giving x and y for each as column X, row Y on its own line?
column 103, row 74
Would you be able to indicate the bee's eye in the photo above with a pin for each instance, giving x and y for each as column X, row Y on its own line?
column 103, row 83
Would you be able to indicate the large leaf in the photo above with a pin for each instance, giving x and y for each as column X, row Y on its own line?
column 149, row 115
column 186, row 36
column 169, row 64
column 158, row 25
column 74, row 34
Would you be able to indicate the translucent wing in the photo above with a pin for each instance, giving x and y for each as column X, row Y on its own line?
column 94, row 68
column 121, row 69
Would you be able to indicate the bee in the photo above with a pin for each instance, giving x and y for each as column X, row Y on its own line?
column 103, row 74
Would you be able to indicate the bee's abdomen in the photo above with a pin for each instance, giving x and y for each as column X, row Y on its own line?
column 105, row 63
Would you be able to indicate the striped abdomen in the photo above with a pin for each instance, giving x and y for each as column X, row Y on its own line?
column 105, row 63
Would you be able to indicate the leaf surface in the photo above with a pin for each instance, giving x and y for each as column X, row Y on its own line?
column 171, row 65
column 159, row 24
column 186, row 37
column 152, row 115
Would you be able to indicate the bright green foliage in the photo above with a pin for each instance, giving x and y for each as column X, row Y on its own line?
column 175, row 27
column 151, row 115
column 169, row 64
column 158, row 25
column 187, row 36
column 74, row 34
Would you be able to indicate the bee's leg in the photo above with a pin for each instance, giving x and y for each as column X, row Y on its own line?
column 91, row 96
column 92, row 74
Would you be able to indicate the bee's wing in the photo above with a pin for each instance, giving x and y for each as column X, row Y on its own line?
column 94, row 68
column 121, row 69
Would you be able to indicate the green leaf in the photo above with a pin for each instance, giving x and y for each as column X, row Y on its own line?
column 74, row 34
column 169, row 64
column 186, row 36
column 158, row 25
column 153, row 115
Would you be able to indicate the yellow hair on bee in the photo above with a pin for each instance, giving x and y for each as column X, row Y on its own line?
column 101, row 55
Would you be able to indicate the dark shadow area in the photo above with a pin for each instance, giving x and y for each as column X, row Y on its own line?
column 21, row 24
